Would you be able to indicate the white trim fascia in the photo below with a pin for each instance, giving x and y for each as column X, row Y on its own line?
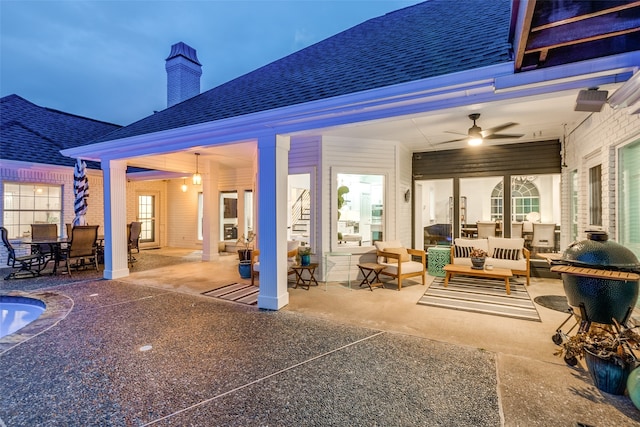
column 155, row 175
column 619, row 66
column 16, row 164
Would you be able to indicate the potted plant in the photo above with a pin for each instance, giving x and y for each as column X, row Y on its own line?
column 478, row 257
column 305, row 255
column 244, row 255
column 608, row 351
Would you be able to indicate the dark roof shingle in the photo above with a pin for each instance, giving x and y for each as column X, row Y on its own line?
column 31, row 133
column 433, row 38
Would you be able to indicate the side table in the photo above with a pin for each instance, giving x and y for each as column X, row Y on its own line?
column 369, row 268
column 437, row 258
column 300, row 280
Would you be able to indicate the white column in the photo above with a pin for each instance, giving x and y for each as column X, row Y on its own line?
column 210, row 212
column 273, row 169
column 115, row 219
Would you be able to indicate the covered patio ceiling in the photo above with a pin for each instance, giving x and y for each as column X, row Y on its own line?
column 538, row 118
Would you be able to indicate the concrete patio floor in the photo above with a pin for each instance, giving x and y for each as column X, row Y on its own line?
column 333, row 356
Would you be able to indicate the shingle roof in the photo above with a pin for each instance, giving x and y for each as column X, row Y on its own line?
column 31, row 133
column 429, row 39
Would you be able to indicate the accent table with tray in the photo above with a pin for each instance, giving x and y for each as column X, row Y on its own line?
column 466, row 270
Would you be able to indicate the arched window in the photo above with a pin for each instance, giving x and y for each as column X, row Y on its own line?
column 525, row 198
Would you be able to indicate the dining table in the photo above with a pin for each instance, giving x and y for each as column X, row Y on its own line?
column 55, row 248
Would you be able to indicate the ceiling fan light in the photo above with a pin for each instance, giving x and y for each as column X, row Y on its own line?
column 475, row 141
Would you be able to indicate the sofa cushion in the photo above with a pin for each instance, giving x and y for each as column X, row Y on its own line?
column 473, row 243
column 407, row 267
column 505, row 242
column 503, row 253
column 382, row 245
column 462, row 251
column 404, row 255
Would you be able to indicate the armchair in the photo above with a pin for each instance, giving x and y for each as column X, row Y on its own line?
column 398, row 262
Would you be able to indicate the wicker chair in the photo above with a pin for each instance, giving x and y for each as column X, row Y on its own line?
column 82, row 248
column 28, row 265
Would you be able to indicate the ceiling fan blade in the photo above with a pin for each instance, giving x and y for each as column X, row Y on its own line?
column 455, row 133
column 504, row 136
column 453, row 140
column 491, row 131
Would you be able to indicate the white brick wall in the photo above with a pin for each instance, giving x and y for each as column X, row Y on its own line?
column 595, row 142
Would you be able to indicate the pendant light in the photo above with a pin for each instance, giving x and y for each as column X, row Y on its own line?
column 197, row 178
column 183, row 187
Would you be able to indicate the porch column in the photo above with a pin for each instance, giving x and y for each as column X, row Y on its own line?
column 210, row 212
column 273, row 169
column 115, row 219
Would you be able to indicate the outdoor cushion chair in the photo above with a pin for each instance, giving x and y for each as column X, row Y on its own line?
column 82, row 248
column 134, row 230
column 544, row 237
column 486, row 229
column 516, row 229
column 292, row 252
column 398, row 262
column 28, row 265
column 43, row 232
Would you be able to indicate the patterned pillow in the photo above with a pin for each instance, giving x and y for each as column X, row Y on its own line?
column 502, row 253
column 462, row 251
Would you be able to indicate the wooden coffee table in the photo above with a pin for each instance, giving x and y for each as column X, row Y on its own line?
column 465, row 270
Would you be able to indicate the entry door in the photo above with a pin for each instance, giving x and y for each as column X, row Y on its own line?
column 147, row 216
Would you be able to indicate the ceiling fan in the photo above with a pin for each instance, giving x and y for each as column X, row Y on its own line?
column 476, row 135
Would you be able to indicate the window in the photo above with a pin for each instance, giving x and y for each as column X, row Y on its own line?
column 26, row 204
column 628, row 204
column 229, row 215
column 595, row 195
column 299, row 202
column 360, row 209
column 574, row 205
column 525, row 199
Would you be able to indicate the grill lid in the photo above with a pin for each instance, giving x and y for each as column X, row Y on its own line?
column 598, row 252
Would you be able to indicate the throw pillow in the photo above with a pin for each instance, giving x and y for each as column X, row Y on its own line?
column 462, row 251
column 502, row 253
column 404, row 255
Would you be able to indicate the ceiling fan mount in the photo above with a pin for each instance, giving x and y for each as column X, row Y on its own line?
column 475, row 135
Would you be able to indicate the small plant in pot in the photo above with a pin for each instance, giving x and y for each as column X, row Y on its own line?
column 244, row 268
column 305, row 255
column 478, row 257
column 609, row 353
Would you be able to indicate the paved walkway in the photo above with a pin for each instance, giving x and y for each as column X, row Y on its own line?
column 150, row 350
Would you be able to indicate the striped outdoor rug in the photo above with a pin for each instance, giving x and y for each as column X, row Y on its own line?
column 238, row 292
column 482, row 296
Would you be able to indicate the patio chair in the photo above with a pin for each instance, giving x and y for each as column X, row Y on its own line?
column 134, row 230
column 516, row 229
column 292, row 252
column 43, row 232
column 544, row 237
column 398, row 262
column 486, row 229
column 82, row 248
column 29, row 265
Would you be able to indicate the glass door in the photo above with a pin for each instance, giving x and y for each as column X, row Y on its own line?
column 147, row 216
column 435, row 214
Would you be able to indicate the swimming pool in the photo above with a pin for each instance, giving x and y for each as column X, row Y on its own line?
column 17, row 312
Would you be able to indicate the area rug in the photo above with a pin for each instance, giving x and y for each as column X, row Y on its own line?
column 482, row 296
column 553, row 302
column 238, row 292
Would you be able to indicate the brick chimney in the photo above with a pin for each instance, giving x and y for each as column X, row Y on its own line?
column 183, row 74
